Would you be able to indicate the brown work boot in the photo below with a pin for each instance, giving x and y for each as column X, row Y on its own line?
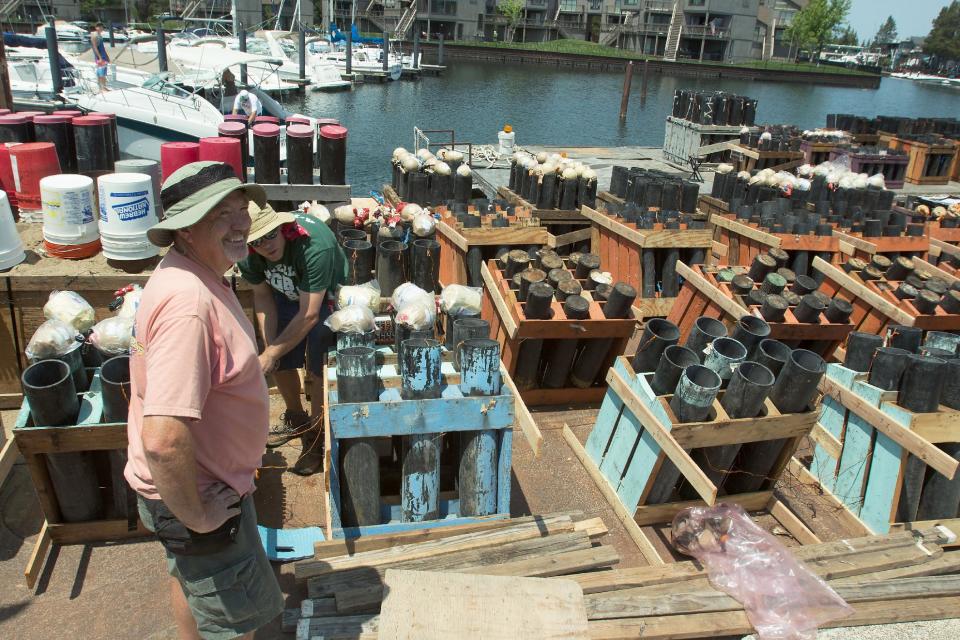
column 292, row 424
column 311, row 455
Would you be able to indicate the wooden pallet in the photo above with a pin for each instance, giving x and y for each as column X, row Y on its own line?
column 683, row 139
column 621, row 247
column 893, row 167
column 710, row 205
column 704, row 296
column 636, row 432
column 510, row 328
column 746, row 158
column 929, row 163
column 737, row 243
column 862, row 441
column 89, row 434
column 392, row 416
column 873, row 311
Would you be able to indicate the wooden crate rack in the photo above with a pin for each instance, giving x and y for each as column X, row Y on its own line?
column 738, row 243
column 862, row 443
column 392, row 416
column 635, row 433
column 930, row 163
column 749, row 159
column 510, row 328
column 621, row 246
column 704, row 295
column 683, row 139
column 873, row 310
column 551, row 216
column 89, row 434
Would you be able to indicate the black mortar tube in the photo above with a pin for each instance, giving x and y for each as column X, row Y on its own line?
column 587, row 263
column 357, row 375
column 761, row 266
column 839, row 311
column 561, row 353
column 537, row 307
column 903, row 337
column 774, row 308
column 749, row 331
column 648, row 260
column 669, row 281
column 593, row 352
column 705, row 331
column 658, row 334
column 861, row 348
column 527, row 278
column 466, row 329
column 426, row 265
column 115, row 381
column 667, row 374
column 809, row 309
column 451, row 323
column 796, row 385
column 49, row 388
column 391, row 266
column 772, row 354
column 922, row 383
column 346, row 339
column 360, row 259
column 887, row 367
column 723, row 354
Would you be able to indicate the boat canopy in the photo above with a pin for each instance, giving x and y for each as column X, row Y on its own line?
column 216, row 57
column 337, row 36
column 36, row 42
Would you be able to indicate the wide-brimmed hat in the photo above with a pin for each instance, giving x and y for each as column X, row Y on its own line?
column 193, row 191
column 264, row 220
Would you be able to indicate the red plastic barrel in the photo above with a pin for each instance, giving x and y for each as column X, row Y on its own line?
column 297, row 120
column 52, row 118
column 4, row 112
column 68, row 112
column 31, row 114
column 267, row 120
column 222, row 150
column 237, row 130
column 174, row 155
column 32, row 162
column 6, row 176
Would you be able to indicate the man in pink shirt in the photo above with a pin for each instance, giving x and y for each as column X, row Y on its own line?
column 199, row 410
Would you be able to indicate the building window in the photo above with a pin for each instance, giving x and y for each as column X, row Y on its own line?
column 444, row 7
column 568, row 5
column 697, row 3
column 595, row 5
column 629, row 3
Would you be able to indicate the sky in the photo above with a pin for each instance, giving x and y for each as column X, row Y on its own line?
column 913, row 17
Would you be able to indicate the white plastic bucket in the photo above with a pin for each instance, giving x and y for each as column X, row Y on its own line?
column 126, row 212
column 11, row 248
column 149, row 167
column 68, row 210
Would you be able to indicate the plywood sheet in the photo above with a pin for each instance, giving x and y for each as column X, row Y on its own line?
column 422, row 605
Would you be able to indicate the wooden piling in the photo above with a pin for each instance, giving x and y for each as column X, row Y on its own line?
column 625, row 98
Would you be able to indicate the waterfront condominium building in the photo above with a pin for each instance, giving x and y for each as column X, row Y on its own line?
column 710, row 30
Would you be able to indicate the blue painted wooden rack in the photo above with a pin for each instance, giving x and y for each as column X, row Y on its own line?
column 393, row 416
column 859, row 465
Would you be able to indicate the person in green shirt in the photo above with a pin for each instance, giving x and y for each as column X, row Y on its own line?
column 294, row 266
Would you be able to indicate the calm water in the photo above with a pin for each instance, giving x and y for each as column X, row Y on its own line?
column 558, row 107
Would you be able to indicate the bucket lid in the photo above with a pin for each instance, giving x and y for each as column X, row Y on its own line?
column 214, row 140
column 266, row 130
column 105, row 114
column 52, row 119
column 333, row 132
column 297, row 120
column 31, row 114
column 124, row 178
column 232, row 127
column 66, row 181
column 299, row 131
column 179, row 145
column 321, row 122
column 268, row 119
column 91, row 121
column 68, row 112
column 32, row 147
column 14, row 118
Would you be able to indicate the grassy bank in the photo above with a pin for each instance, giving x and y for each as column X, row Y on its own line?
column 581, row 47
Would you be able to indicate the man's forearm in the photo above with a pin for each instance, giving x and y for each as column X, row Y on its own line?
column 168, row 447
column 295, row 331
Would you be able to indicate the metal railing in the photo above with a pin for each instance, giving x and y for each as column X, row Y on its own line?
column 705, row 31
column 658, row 5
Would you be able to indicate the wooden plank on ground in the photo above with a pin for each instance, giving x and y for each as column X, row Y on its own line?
column 423, row 605
column 37, row 557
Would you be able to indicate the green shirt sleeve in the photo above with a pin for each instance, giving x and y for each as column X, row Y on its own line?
column 251, row 269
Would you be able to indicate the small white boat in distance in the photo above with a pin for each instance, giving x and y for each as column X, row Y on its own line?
column 366, row 61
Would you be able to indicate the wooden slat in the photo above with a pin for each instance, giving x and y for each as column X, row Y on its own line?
column 661, row 433
column 522, row 415
column 875, row 300
column 935, row 457
column 569, row 238
column 301, row 192
column 733, row 309
column 643, row 543
column 747, row 231
column 37, row 556
column 792, row 523
column 506, row 318
column 839, row 510
column 660, row 513
column 825, row 439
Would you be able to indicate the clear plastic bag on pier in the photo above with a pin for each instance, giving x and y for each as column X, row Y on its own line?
column 782, row 598
column 457, row 298
column 355, row 318
column 71, row 308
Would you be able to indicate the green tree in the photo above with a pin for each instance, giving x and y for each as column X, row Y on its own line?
column 944, row 39
column 887, row 32
column 513, row 11
column 816, row 24
column 847, row 36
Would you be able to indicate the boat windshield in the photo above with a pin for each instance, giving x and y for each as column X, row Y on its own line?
column 161, row 85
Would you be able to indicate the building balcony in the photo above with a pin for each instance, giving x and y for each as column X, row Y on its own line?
column 701, row 31
column 658, row 5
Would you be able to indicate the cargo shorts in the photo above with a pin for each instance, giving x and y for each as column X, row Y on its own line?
column 230, row 592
